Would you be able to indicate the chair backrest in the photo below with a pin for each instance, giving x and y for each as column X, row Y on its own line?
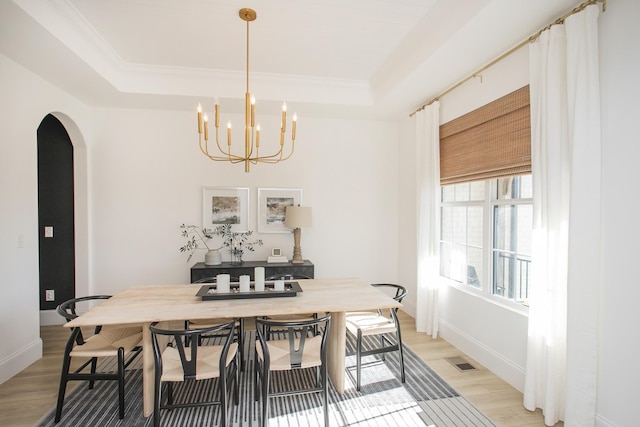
column 180, row 336
column 288, row 277
column 69, row 310
column 297, row 334
column 398, row 291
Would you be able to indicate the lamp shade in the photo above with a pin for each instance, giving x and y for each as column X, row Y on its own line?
column 297, row 216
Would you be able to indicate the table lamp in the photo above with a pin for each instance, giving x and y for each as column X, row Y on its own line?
column 297, row 217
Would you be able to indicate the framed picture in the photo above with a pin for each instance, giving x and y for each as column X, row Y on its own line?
column 222, row 205
column 272, row 203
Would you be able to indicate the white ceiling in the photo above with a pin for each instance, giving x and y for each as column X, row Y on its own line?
column 359, row 58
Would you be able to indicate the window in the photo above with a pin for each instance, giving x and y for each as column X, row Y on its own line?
column 486, row 231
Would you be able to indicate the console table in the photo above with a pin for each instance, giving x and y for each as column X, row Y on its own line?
column 200, row 270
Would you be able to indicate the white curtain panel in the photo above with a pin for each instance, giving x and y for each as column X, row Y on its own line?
column 565, row 147
column 428, row 217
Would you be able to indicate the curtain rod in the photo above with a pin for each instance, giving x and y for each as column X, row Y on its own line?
column 530, row 39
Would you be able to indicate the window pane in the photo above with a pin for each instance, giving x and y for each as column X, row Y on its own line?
column 446, row 218
column 504, row 233
column 459, row 233
column 474, row 226
column 514, row 187
column 477, row 189
column 448, row 193
column 512, row 251
column 525, row 226
column 463, row 255
column 445, row 259
column 462, row 192
column 526, row 187
column 474, row 267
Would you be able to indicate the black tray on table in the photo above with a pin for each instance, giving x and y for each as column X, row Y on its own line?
column 209, row 291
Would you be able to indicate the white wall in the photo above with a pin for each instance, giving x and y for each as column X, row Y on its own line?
column 147, row 178
column 619, row 371
column 26, row 100
column 145, row 175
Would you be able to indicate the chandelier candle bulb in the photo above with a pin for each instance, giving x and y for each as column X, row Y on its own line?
column 199, row 118
column 283, row 127
column 253, row 112
column 206, row 128
column 258, row 136
column 217, row 112
column 293, row 126
column 229, row 133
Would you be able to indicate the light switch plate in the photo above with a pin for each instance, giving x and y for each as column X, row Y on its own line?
column 48, row 231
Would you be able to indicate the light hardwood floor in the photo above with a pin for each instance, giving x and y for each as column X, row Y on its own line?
column 26, row 397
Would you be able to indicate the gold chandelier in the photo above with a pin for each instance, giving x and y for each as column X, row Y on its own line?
column 251, row 130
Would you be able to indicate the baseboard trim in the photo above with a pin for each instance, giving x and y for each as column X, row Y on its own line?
column 20, row 360
column 495, row 362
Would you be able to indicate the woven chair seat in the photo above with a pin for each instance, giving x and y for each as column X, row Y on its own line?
column 107, row 342
column 280, row 353
column 369, row 323
column 207, row 362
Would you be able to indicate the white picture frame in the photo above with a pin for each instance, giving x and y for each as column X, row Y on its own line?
column 225, row 204
column 271, row 207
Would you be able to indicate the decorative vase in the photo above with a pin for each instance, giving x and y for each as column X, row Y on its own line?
column 236, row 258
column 213, row 257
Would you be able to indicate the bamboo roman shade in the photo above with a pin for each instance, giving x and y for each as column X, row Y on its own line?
column 490, row 142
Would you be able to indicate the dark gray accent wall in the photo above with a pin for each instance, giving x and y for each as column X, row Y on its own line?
column 55, row 209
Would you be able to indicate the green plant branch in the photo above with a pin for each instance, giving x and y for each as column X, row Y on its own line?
column 236, row 242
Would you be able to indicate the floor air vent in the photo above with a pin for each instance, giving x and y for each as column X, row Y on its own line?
column 460, row 363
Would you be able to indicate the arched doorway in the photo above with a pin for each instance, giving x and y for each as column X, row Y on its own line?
column 56, row 219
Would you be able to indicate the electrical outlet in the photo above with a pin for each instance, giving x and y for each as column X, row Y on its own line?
column 50, row 295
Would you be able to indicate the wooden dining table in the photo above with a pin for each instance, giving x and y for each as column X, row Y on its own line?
column 143, row 305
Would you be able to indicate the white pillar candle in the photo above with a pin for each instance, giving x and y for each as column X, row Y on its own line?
column 258, row 273
column 278, row 285
column 223, row 281
column 244, row 283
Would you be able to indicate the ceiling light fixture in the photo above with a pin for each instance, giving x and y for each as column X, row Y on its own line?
column 251, row 130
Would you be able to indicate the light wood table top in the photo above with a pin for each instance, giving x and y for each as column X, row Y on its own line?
column 163, row 303
column 147, row 304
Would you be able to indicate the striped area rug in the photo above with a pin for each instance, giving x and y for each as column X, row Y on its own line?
column 424, row 400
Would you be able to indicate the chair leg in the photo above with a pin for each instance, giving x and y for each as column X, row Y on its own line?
column 236, row 389
column 121, row 382
column 157, row 396
column 358, row 359
column 265, row 396
column 399, row 338
column 256, row 389
column 63, row 386
column 223, row 398
column 325, row 395
column 241, row 343
column 94, row 363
